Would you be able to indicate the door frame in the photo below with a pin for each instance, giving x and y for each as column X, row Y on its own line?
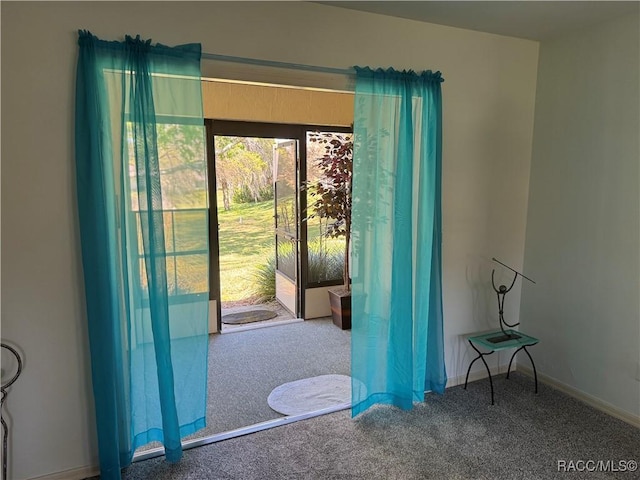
column 261, row 130
column 281, row 232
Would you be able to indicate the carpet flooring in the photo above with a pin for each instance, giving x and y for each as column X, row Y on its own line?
column 458, row 435
column 244, row 367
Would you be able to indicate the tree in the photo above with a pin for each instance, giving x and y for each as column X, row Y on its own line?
column 332, row 192
column 242, row 162
column 182, row 165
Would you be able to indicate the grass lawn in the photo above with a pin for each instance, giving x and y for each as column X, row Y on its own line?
column 246, row 240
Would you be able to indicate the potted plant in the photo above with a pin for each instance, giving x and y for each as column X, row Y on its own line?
column 331, row 201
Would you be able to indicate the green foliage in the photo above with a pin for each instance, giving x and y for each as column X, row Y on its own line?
column 264, row 280
column 182, row 161
column 243, row 164
column 242, row 195
column 330, row 195
column 325, row 263
column 246, row 230
column 246, row 241
column 183, row 165
column 246, row 235
column 266, row 192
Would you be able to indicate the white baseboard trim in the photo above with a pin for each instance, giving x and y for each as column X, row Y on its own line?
column 73, row 474
column 584, row 397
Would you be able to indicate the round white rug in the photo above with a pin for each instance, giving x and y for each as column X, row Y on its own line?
column 311, row 394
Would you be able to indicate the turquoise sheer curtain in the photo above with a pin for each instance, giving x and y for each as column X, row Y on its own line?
column 396, row 340
column 141, row 188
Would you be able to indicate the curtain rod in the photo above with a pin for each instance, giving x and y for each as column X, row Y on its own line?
column 271, row 63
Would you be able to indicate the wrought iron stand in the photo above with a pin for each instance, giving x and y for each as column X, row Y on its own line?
column 487, row 341
column 502, row 339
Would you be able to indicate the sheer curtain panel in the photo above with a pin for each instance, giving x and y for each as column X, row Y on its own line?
column 397, row 339
column 141, row 190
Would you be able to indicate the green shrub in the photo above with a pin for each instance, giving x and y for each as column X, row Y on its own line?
column 242, row 194
column 266, row 192
column 325, row 263
column 264, row 279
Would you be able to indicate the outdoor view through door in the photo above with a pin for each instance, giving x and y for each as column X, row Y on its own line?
column 267, row 254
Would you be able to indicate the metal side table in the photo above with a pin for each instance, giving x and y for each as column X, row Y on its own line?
column 501, row 340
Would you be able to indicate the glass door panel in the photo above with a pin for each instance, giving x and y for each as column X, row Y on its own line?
column 285, row 163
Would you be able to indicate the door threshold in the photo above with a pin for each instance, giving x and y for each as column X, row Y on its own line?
column 255, row 326
column 240, row 432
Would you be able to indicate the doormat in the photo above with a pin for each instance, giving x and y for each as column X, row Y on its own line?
column 311, row 394
column 249, row 316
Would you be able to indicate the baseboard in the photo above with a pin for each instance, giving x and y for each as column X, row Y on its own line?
column 584, row 397
column 74, row 474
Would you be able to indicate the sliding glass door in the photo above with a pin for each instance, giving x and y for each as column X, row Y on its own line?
column 304, row 262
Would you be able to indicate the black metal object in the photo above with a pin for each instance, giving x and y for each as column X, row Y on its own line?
column 501, row 293
column 514, row 271
column 535, row 374
column 481, row 357
column 5, row 428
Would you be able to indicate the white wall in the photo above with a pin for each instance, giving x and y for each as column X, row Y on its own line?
column 583, row 232
column 488, row 97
